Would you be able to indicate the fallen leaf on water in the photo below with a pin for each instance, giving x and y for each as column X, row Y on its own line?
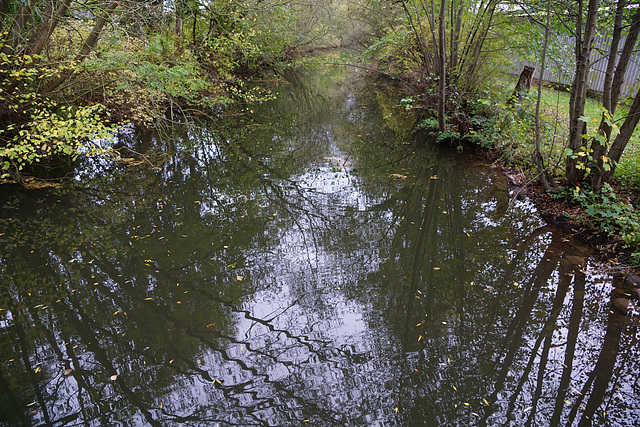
column 148, row 299
column 436, row 268
column 113, row 377
column 239, row 278
column 67, row 371
column 210, row 324
column 37, row 369
column 397, row 175
column 485, row 402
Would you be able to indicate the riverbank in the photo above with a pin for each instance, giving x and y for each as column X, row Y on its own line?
column 607, row 219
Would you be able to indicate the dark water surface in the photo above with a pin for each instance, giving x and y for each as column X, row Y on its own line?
column 307, row 261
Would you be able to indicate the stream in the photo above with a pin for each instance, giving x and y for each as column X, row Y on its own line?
column 306, row 260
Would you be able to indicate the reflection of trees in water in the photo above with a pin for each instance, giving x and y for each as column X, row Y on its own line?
column 105, row 268
column 499, row 350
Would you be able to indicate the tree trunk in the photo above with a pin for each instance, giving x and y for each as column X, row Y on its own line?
column 46, row 28
column 621, row 141
column 610, row 102
column 15, row 36
column 524, row 82
column 625, row 57
column 579, row 88
column 613, row 55
column 4, row 14
column 443, row 67
column 457, row 8
column 88, row 45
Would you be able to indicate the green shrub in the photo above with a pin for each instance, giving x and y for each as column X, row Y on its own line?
column 606, row 211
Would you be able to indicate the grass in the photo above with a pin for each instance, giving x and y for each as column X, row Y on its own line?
column 555, row 128
column 608, row 212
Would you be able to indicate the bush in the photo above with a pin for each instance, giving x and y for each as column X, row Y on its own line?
column 606, row 211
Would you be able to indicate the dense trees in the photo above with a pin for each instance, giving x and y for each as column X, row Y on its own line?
column 68, row 68
column 457, row 44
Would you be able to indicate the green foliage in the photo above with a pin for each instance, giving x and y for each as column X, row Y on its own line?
column 395, row 51
column 448, row 135
column 605, row 211
column 52, row 131
column 429, row 124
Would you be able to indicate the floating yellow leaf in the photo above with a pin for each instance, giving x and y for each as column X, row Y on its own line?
column 148, row 299
column 436, row 268
column 113, row 377
column 419, row 337
column 454, row 388
column 37, row 369
column 485, row 402
column 239, row 278
column 67, row 371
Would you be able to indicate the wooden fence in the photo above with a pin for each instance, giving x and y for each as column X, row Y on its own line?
column 561, row 66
